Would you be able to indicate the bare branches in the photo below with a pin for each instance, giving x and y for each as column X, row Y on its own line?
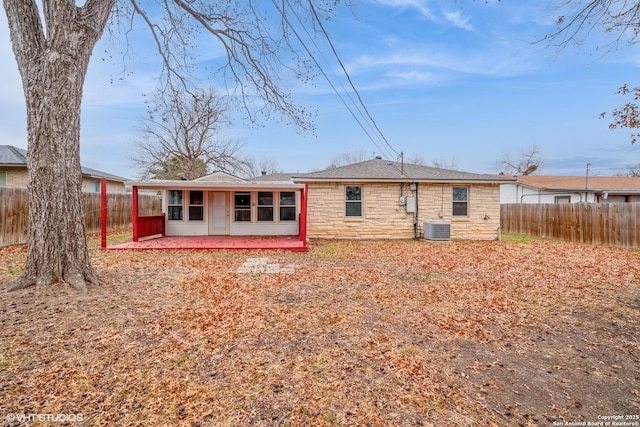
column 182, row 138
column 627, row 116
column 257, row 57
column 618, row 18
column 577, row 19
column 528, row 162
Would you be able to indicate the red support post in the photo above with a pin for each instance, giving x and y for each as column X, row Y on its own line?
column 303, row 213
column 103, row 212
column 134, row 212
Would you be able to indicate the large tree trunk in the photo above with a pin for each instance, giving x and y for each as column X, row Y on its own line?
column 53, row 70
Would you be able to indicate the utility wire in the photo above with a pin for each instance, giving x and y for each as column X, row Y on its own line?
column 311, row 55
column 319, row 21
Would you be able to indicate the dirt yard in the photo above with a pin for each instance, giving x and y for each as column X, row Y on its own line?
column 377, row 333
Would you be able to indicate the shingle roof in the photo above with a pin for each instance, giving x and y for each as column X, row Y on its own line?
column 14, row 156
column 279, row 177
column 10, row 155
column 385, row 170
column 609, row 183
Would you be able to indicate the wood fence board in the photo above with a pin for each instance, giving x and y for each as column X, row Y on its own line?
column 611, row 224
column 14, row 212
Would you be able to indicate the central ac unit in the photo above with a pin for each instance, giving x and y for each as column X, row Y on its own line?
column 437, row 230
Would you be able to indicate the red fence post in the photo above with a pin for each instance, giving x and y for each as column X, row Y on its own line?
column 134, row 212
column 103, row 212
column 303, row 213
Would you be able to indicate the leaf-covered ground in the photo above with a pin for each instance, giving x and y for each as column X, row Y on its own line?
column 374, row 333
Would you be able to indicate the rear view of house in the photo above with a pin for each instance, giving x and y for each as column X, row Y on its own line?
column 391, row 200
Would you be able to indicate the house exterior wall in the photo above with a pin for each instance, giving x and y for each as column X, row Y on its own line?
column 18, row 177
column 515, row 193
column 383, row 216
column 89, row 185
column 187, row 227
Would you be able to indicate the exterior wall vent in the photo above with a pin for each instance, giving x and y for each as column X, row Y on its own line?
column 437, row 230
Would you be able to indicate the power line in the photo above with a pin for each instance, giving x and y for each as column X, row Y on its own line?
column 387, row 146
column 335, row 53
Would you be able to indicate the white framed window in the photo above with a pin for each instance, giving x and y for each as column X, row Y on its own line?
column 242, row 206
column 562, row 199
column 174, row 205
column 265, row 206
column 287, row 206
column 196, row 206
column 353, row 200
column 460, row 201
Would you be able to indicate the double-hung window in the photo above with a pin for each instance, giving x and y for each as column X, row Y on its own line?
column 353, row 200
column 265, row 206
column 174, row 208
column 3, row 178
column 242, row 207
column 460, row 201
column 287, row 206
column 196, row 206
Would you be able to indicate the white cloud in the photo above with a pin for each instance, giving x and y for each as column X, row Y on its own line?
column 457, row 19
column 419, row 5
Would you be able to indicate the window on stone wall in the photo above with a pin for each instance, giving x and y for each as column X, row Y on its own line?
column 3, row 178
column 353, row 200
column 460, row 201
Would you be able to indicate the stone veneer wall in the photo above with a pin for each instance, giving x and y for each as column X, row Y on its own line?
column 384, row 218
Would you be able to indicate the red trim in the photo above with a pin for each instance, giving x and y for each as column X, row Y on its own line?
column 103, row 213
column 150, row 226
column 303, row 213
column 134, row 213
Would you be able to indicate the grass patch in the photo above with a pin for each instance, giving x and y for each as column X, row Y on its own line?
column 517, row 238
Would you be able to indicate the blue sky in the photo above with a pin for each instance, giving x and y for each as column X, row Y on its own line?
column 456, row 81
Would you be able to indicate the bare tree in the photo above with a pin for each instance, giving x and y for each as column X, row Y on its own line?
column 441, row 163
column 529, row 161
column 53, row 45
column 620, row 20
column 348, row 158
column 182, row 137
column 264, row 166
column 632, row 171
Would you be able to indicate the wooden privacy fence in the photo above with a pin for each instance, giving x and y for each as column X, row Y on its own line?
column 14, row 212
column 610, row 224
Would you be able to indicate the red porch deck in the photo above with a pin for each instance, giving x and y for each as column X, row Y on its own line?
column 285, row 243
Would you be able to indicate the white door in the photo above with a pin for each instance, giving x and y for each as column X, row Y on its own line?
column 219, row 213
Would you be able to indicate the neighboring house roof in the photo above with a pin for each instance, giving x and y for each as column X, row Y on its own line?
column 16, row 157
column 379, row 170
column 611, row 184
column 12, row 156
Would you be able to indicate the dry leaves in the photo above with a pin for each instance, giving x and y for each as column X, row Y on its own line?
column 364, row 333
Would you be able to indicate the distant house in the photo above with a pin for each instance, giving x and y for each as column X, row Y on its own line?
column 391, row 200
column 571, row 189
column 13, row 172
